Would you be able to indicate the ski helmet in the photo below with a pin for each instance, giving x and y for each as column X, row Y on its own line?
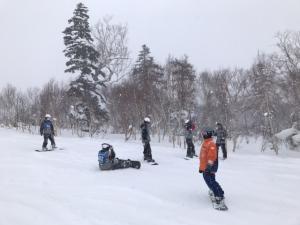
column 147, row 119
column 48, row 116
column 106, row 146
column 207, row 133
column 219, row 125
column 187, row 121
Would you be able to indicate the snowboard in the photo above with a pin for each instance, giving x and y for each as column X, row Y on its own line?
column 221, row 206
column 188, row 158
column 152, row 162
column 49, row 150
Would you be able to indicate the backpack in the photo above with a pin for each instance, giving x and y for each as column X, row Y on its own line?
column 47, row 128
column 103, row 156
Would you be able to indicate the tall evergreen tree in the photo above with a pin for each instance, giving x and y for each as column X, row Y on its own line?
column 79, row 43
column 82, row 59
column 147, row 76
column 183, row 78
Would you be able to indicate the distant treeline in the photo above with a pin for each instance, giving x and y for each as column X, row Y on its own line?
column 110, row 93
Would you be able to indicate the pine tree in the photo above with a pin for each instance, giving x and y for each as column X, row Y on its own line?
column 82, row 59
column 148, row 78
column 183, row 78
column 79, row 43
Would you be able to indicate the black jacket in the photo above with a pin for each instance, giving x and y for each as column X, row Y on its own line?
column 145, row 132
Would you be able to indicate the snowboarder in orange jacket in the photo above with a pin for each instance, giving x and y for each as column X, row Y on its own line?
column 209, row 166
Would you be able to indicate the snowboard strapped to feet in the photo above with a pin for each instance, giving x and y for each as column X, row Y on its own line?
column 151, row 162
column 217, row 202
column 190, row 157
column 48, row 150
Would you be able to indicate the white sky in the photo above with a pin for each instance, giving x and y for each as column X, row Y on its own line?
column 213, row 33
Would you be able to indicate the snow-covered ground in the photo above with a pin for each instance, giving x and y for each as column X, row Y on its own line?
column 65, row 187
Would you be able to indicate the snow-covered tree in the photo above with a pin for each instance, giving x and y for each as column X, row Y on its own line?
column 263, row 98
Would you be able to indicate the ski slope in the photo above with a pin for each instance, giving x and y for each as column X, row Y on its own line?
column 65, row 187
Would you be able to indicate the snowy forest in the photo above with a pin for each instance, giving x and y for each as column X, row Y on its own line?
column 112, row 90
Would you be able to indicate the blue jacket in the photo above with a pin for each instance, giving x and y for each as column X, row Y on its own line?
column 46, row 128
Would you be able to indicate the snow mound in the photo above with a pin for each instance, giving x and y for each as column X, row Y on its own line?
column 287, row 133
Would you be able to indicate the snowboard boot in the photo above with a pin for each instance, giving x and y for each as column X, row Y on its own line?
column 53, row 147
column 44, row 149
column 135, row 164
column 150, row 160
column 125, row 163
column 220, row 204
column 212, row 196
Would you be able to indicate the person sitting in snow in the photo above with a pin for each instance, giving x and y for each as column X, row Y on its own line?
column 189, row 128
column 145, row 131
column 108, row 161
column 209, row 166
column 47, row 130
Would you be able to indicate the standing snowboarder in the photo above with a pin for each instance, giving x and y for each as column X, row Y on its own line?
column 145, row 131
column 189, row 128
column 221, row 134
column 47, row 130
column 209, row 166
column 108, row 161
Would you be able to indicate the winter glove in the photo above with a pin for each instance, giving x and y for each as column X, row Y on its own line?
column 41, row 134
column 200, row 171
column 208, row 168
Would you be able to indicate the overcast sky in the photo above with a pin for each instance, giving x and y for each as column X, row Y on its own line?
column 213, row 33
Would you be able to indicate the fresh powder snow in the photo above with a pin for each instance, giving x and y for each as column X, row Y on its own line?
column 66, row 187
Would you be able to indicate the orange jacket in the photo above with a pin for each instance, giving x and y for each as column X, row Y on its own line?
column 208, row 155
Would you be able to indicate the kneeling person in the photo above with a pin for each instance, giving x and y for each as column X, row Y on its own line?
column 108, row 161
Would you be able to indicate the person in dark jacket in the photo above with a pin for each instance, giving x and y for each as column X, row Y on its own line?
column 47, row 131
column 108, row 161
column 221, row 135
column 145, row 130
column 189, row 128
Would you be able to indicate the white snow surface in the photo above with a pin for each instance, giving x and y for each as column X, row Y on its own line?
column 65, row 187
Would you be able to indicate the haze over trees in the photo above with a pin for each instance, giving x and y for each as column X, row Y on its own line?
column 113, row 91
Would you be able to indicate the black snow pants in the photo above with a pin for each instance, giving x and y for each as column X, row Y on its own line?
column 50, row 137
column 115, row 164
column 190, row 148
column 147, row 151
column 224, row 150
